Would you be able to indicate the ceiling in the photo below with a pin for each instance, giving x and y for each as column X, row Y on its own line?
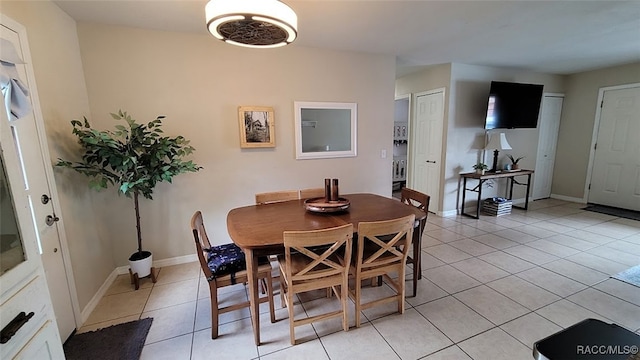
column 556, row 37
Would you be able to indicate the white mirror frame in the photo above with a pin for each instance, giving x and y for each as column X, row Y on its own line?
column 300, row 105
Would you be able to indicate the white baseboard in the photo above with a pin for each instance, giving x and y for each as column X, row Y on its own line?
column 125, row 270
column 448, row 213
column 98, row 295
column 569, row 198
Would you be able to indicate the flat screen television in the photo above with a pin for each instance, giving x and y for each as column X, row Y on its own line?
column 513, row 105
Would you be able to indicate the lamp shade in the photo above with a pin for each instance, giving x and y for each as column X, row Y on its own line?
column 252, row 23
column 498, row 142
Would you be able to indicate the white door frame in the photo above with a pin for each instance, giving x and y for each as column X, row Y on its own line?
column 42, row 143
column 594, row 135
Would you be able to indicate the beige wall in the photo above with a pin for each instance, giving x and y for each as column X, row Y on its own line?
column 61, row 88
column 576, row 126
column 198, row 83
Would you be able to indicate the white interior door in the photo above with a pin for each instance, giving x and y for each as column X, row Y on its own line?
column 615, row 178
column 426, row 144
column 27, row 135
column 547, row 142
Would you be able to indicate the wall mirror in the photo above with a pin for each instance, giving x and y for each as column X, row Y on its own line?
column 325, row 130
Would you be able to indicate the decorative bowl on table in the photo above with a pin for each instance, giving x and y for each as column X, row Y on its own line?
column 322, row 205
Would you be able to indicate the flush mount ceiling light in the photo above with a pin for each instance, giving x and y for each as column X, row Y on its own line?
column 252, row 23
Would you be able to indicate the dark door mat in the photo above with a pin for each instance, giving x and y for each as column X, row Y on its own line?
column 613, row 211
column 117, row 342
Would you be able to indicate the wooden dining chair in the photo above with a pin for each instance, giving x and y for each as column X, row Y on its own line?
column 311, row 193
column 225, row 265
column 316, row 259
column 382, row 249
column 421, row 201
column 276, row 196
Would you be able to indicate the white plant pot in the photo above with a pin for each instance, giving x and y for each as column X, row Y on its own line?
column 143, row 266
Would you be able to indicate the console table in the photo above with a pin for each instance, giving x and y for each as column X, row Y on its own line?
column 508, row 174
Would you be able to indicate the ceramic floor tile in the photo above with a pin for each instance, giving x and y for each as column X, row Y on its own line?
column 118, row 306
column 598, row 263
column 447, row 253
column 565, row 313
column 530, row 254
column 626, row 246
column 428, row 241
column 554, row 227
column 530, row 328
column 450, row 279
column 466, row 230
column 620, row 289
column 171, row 322
column 495, row 344
column 516, row 236
column 572, row 242
column 576, row 271
column 203, row 315
column 411, row 335
column 429, row 261
column 553, row 248
column 172, row 294
column 546, row 279
column 472, row 247
column 591, row 237
column 489, row 303
column 523, row 292
column 327, row 305
column 494, row 241
column 620, row 311
column 235, row 341
column 275, row 336
column 427, row 291
column 506, row 262
column 123, row 284
column 536, row 231
column 179, row 272
column 444, row 235
column 178, row 348
column 611, row 230
column 450, row 353
column 311, row 350
column 454, row 319
column 480, row 270
column 619, row 256
column 364, row 342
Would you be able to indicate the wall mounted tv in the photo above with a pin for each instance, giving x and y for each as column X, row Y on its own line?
column 513, row 105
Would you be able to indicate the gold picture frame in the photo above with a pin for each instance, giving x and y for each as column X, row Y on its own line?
column 257, row 126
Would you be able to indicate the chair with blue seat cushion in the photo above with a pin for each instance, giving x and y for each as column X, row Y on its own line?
column 225, row 265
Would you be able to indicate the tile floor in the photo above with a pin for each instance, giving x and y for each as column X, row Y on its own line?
column 490, row 289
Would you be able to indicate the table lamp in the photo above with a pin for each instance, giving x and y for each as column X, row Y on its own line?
column 497, row 142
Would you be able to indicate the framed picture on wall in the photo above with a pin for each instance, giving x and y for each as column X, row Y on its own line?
column 257, row 127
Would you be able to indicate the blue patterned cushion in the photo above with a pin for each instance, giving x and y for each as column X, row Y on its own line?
column 226, row 259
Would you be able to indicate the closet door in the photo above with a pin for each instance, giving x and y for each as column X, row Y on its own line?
column 547, row 142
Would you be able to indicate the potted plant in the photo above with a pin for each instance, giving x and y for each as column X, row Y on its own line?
column 514, row 161
column 480, row 168
column 134, row 158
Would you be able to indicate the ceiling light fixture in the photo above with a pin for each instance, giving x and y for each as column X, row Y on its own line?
column 252, row 23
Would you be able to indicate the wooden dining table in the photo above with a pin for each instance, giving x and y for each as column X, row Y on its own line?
column 257, row 229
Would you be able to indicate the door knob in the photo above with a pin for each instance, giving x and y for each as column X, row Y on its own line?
column 431, row 161
column 45, row 199
column 50, row 219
